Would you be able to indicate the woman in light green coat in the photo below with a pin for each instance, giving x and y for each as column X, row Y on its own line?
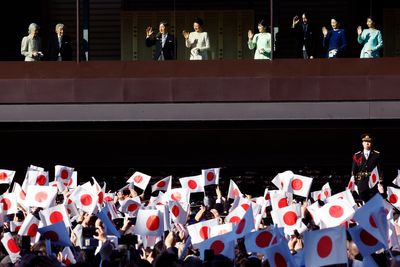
column 261, row 41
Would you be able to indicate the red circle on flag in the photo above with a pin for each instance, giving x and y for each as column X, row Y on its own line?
column 69, row 211
column 267, row 196
column 41, row 196
column 3, row 176
column 176, row 196
column 17, row 228
column 161, row 184
column 12, row 246
column 282, row 203
column 367, row 238
column 64, row 174
column 373, row 177
column 281, row 184
column 138, row 179
column 350, row 186
column 108, row 198
column 56, row 217
column 100, row 197
column 324, row 246
column 53, row 236
column 319, row 196
column 263, row 239
column 326, row 193
column 245, row 206
column 32, row 230
column 86, row 199
column 153, row 223
column 393, row 198
column 280, row 260
column 297, row 184
column 210, row 176
column 203, row 232
column 70, row 182
column 41, row 179
column 22, row 195
column 290, row 218
column 175, row 210
column 372, row 221
column 132, row 207
column 6, row 203
column 234, row 219
column 67, row 262
column 192, row 184
column 241, row 226
column 336, row 211
column 235, row 192
column 218, row 246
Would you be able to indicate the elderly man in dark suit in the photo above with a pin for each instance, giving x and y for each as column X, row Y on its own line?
column 164, row 41
column 59, row 47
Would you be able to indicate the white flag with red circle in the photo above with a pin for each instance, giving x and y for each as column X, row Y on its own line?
column 300, row 185
column 6, row 176
column 366, row 243
column 37, row 177
column 335, row 212
column 211, row 176
column 130, row 207
column 68, row 257
column 158, row 200
column 194, row 184
column 54, row 215
column 112, row 210
column 221, row 229
column 19, row 193
column 178, row 211
column 279, row 255
column 233, row 190
column 326, row 191
column 280, row 199
column 235, row 215
column 59, row 185
column 221, row 245
column 15, row 226
column 346, row 195
column 282, row 180
column 139, row 179
column 396, row 180
column 9, row 201
column 393, row 195
column 373, row 178
column 149, row 222
column 258, row 241
column 84, row 199
column 105, row 216
column 63, row 174
column 56, row 233
column 40, row 196
column 288, row 217
column 29, row 227
column 162, row 185
column 316, row 195
column 11, row 246
column 201, row 231
column 352, row 184
column 108, row 197
column 325, row 247
column 177, row 194
column 100, row 191
column 245, row 225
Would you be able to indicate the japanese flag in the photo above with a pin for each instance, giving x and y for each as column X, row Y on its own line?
column 57, row 233
column 335, row 212
column 393, row 196
column 258, row 241
column 162, row 185
column 100, row 191
column 279, row 255
column 149, row 222
column 178, row 212
column 316, row 195
column 177, row 194
column 211, row 176
column 325, row 247
column 104, row 215
column 9, row 202
column 130, row 207
column 280, row 199
column 67, row 256
column 19, row 193
column 36, row 177
column 108, row 197
column 29, row 227
column 84, row 199
column 63, row 174
column 112, row 210
column 373, row 178
column 233, row 190
column 300, row 185
column 59, row 185
column 11, row 247
column 352, row 184
column 221, row 229
column 346, row 195
column 267, row 197
column 54, row 215
column 40, row 196
column 396, row 180
column 139, row 179
column 194, row 184
column 73, row 182
column 246, row 203
column 221, row 245
column 282, row 180
column 235, row 215
column 246, row 224
column 6, row 176
column 15, row 226
column 325, row 191
column 287, row 217
column 158, row 200
column 366, row 243
column 201, row 231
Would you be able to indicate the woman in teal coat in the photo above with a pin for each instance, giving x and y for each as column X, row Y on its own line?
column 371, row 38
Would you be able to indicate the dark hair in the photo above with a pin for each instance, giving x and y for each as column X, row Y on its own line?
column 163, row 22
column 198, row 21
column 335, row 18
column 263, row 23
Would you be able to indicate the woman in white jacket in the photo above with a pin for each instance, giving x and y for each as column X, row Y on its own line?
column 31, row 45
column 197, row 41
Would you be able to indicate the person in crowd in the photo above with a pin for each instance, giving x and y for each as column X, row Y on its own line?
column 334, row 41
column 260, row 42
column 304, row 35
column 164, row 41
column 59, row 46
column 198, row 41
column 31, row 45
column 371, row 39
column 363, row 164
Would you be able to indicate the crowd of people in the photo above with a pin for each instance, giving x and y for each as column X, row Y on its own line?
column 334, row 41
column 66, row 223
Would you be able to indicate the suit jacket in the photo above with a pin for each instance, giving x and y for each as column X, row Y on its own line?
column 336, row 40
column 169, row 47
column 54, row 48
column 361, row 164
column 306, row 37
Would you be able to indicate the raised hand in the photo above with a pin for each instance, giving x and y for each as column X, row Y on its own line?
column 250, row 34
column 185, row 34
column 149, row 31
column 359, row 30
column 324, row 31
column 296, row 20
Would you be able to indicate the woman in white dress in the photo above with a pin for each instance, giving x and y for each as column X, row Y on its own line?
column 31, row 45
column 197, row 41
column 261, row 41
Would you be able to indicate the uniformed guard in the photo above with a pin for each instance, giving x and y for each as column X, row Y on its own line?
column 363, row 164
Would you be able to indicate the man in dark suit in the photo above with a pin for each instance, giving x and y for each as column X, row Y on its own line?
column 364, row 163
column 164, row 41
column 305, row 37
column 59, row 47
